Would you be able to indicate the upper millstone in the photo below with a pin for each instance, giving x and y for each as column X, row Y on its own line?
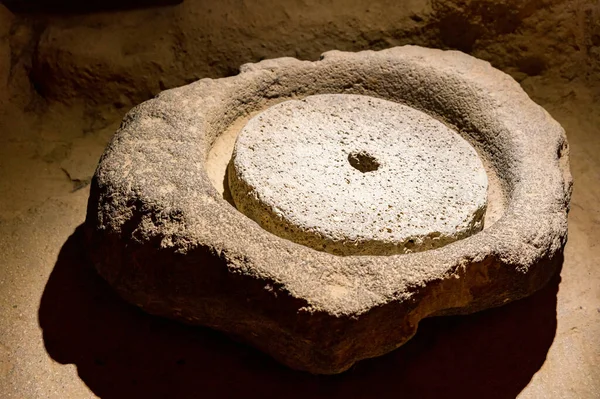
column 356, row 175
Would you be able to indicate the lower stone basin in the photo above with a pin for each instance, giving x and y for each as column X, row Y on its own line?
column 161, row 233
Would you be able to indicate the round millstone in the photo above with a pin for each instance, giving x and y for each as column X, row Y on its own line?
column 356, row 175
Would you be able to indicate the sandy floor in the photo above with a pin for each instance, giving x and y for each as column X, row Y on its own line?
column 64, row 334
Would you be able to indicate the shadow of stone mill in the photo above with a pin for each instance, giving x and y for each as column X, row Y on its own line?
column 121, row 352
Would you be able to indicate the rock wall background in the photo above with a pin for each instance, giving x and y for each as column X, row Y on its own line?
column 124, row 57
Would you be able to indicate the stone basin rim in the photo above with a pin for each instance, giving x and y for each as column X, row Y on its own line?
column 155, row 222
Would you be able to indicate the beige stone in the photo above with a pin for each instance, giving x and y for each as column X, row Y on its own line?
column 160, row 233
column 357, row 175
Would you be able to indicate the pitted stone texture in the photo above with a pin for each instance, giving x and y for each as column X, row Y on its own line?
column 357, row 175
column 160, row 233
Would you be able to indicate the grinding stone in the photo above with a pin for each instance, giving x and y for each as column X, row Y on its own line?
column 164, row 237
column 355, row 175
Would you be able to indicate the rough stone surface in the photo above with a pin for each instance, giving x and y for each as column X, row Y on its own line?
column 165, row 239
column 129, row 56
column 357, row 175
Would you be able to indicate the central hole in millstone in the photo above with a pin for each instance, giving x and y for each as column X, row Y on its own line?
column 363, row 161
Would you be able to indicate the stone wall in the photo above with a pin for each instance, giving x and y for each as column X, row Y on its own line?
column 5, row 58
column 124, row 57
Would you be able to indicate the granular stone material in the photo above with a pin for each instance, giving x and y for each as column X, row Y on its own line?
column 356, row 175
